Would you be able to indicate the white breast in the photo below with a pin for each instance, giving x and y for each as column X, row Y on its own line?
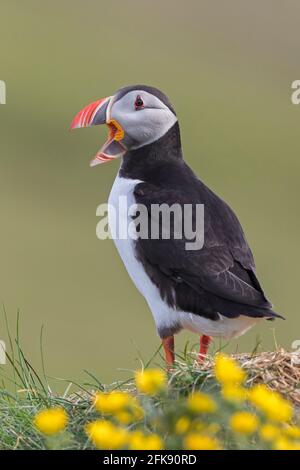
column 124, row 187
column 165, row 317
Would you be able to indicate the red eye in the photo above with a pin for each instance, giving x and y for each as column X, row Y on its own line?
column 139, row 103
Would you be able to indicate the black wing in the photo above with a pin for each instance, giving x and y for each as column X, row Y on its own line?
column 224, row 267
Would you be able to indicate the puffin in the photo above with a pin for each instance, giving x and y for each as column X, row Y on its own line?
column 211, row 290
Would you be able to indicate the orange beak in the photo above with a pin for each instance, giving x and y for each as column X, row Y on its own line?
column 98, row 113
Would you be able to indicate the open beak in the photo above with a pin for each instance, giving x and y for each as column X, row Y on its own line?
column 97, row 113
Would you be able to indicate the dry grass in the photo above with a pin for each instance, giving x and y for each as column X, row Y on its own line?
column 279, row 369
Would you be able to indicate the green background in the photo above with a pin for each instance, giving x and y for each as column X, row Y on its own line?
column 228, row 68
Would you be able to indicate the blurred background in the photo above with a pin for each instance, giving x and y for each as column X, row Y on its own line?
column 228, row 68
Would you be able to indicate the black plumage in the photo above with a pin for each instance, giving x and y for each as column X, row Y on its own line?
column 219, row 278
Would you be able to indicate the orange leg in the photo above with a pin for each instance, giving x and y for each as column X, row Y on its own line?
column 168, row 344
column 204, row 345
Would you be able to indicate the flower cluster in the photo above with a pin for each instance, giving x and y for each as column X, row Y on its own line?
column 121, row 408
column 265, row 413
column 156, row 417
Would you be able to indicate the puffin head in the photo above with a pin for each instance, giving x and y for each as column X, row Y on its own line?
column 135, row 116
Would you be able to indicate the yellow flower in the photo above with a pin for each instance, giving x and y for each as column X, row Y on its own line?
column 140, row 441
column 182, row 425
column 125, row 417
column 269, row 432
column 228, row 371
column 271, row 403
column 244, row 422
column 151, row 381
column 197, row 441
column 113, row 402
column 105, row 435
column 285, row 444
column 292, row 431
column 199, row 402
column 233, row 393
column 51, row 421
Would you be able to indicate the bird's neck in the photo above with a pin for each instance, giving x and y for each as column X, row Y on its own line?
column 147, row 161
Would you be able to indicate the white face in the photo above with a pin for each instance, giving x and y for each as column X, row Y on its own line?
column 143, row 117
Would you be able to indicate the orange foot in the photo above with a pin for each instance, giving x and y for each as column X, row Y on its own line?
column 204, row 345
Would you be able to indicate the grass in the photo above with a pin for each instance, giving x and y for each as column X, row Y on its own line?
column 24, row 392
